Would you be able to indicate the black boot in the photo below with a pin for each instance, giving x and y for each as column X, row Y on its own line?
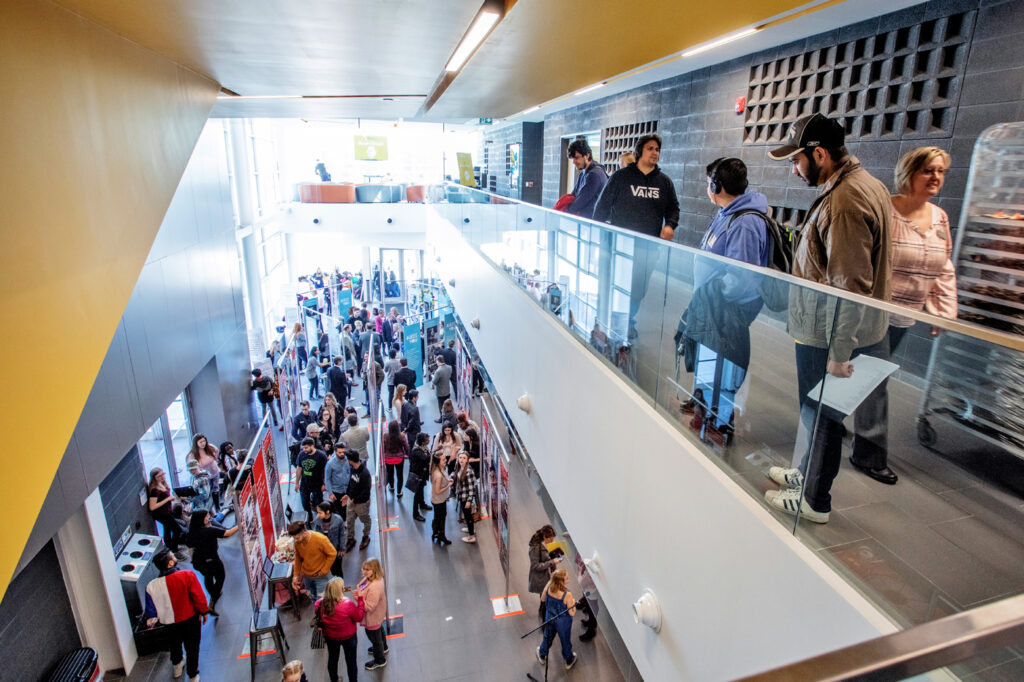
column 419, row 517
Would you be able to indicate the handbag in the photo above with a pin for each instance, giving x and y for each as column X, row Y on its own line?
column 414, row 482
column 317, row 640
column 476, row 512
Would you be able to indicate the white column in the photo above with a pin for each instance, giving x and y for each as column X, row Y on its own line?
column 94, row 588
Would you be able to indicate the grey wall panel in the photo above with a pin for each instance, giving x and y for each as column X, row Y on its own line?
column 182, row 312
column 207, row 403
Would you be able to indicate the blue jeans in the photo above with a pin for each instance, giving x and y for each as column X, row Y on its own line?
column 563, row 628
column 315, row 585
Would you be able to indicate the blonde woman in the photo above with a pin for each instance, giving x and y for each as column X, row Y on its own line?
column 340, row 617
column 626, row 158
column 558, row 601
column 371, row 591
column 399, row 400
column 923, row 278
column 299, row 337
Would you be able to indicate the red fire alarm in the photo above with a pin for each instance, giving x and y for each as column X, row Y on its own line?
column 741, row 104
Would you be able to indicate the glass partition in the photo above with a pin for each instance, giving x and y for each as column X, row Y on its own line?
column 738, row 358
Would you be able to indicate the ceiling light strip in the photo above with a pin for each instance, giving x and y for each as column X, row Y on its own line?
column 483, row 24
column 721, row 41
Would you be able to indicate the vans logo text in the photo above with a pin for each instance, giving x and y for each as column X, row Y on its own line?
column 646, row 192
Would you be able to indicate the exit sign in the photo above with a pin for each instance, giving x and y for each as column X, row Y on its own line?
column 486, row 121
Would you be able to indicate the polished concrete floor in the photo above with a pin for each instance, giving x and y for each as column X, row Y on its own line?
column 443, row 594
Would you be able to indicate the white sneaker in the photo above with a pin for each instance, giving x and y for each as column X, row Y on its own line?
column 572, row 661
column 471, row 539
column 194, row 679
column 539, row 657
column 464, row 529
column 789, row 500
column 786, row 477
column 179, row 668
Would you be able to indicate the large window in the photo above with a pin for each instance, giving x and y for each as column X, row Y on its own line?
column 167, row 442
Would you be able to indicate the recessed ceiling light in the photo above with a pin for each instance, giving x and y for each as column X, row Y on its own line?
column 387, row 99
column 719, row 42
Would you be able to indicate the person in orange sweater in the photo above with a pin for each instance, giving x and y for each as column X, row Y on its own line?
column 371, row 592
column 314, row 556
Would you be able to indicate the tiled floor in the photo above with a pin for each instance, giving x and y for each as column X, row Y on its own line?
column 444, row 595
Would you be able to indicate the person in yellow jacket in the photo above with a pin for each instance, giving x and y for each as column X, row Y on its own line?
column 314, row 556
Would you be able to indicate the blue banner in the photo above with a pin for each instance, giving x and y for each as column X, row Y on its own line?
column 344, row 303
column 449, row 328
column 413, row 350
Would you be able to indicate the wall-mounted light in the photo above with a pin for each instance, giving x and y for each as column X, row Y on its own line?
column 721, row 41
column 529, row 219
column 465, row 220
column 475, row 323
column 647, row 611
column 390, row 220
column 593, row 564
column 483, row 22
column 523, row 403
column 451, row 282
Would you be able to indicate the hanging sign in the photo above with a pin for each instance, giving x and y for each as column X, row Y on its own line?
column 371, row 148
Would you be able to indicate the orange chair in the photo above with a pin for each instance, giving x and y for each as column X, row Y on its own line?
column 416, row 194
column 327, row 193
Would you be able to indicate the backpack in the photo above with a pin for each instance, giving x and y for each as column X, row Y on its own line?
column 781, row 245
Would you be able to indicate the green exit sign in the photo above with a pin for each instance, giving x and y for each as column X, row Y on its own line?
column 486, row 121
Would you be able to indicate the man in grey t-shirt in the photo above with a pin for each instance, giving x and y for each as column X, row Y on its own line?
column 391, row 366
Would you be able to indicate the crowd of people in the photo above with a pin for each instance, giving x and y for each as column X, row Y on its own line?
column 857, row 238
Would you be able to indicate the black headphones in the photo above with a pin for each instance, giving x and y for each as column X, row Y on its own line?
column 714, row 186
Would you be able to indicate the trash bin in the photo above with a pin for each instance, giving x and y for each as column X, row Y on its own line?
column 80, row 665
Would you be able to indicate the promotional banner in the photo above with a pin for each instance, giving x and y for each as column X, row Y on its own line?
column 344, row 301
column 252, row 545
column 269, row 455
column 413, row 350
column 497, row 480
column 449, row 328
column 371, row 148
column 488, row 480
column 466, row 176
column 432, row 334
column 261, row 492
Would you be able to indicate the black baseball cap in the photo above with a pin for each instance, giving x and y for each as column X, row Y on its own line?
column 809, row 132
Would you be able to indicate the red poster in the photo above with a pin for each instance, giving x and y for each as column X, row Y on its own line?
column 262, row 490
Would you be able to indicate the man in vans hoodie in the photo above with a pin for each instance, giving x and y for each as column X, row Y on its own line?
column 642, row 202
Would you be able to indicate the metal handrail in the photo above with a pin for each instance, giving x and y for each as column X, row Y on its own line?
column 914, row 651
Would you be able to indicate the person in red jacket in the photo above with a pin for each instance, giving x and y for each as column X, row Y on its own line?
column 340, row 617
column 176, row 599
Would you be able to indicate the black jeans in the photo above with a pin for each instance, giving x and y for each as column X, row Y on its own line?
column 334, row 647
column 417, row 499
column 467, row 514
column 391, row 394
column 212, row 570
column 440, row 517
column 310, row 499
column 820, row 464
column 376, row 638
column 440, row 403
column 314, row 387
column 392, row 469
column 187, row 633
column 173, row 534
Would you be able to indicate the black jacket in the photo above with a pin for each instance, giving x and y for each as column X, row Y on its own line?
column 337, row 383
column 419, row 462
column 642, row 203
column 712, row 321
column 300, row 424
column 406, row 377
column 587, row 190
column 449, row 358
column 359, row 484
column 411, row 423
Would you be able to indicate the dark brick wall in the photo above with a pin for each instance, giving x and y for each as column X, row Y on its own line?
column 530, row 137
column 37, row 626
column 696, row 117
column 120, row 494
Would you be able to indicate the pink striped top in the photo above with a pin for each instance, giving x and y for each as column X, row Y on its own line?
column 923, row 276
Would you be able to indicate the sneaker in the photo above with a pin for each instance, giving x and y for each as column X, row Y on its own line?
column 786, row 477
column 371, row 665
column 464, row 529
column 400, row 493
column 179, row 668
column 789, row 499
column 542, row 659
column 369, row 650
column 570, row 663
column 194, row 679
column 471, row 539
column 365, row 543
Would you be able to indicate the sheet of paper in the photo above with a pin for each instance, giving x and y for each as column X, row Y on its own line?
column 846, row 394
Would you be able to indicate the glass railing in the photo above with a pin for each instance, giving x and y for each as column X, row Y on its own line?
column 737, row 357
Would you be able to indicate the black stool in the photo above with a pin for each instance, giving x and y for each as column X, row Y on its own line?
column 281, row 574
column 262, row 623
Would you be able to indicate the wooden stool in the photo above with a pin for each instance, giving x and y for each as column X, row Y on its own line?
column 281, row 574
column 262, row 623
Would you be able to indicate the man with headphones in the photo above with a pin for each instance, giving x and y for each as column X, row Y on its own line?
column 643, row 199
column 724, row 294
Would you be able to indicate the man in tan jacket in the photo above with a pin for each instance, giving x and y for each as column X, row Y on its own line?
column 844, row 243
column 314, row 556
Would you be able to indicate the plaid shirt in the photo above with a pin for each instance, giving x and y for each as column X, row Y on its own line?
column 465, row 487
column 923, row 275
